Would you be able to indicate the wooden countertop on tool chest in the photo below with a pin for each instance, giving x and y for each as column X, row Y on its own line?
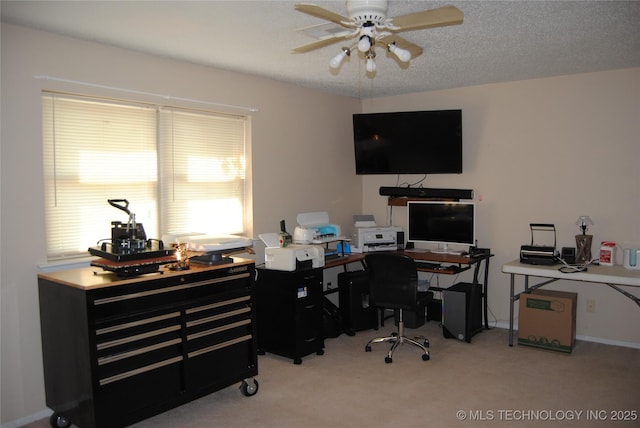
column 92, row 277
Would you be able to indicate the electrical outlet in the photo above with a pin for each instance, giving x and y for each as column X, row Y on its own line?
column 591, row 305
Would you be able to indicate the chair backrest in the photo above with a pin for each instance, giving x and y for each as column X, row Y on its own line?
column 393, row 280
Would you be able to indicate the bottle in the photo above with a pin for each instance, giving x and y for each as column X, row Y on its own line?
column 283, row 239
column 607, row 253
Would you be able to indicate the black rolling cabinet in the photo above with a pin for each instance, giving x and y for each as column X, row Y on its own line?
column 117, row 351
column 289, row 312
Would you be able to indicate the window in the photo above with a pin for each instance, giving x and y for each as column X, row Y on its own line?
column 181, row 170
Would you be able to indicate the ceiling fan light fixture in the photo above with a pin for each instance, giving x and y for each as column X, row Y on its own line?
column 402, row 54
column 370, row 65
column 336, row 61
column 364, row 44
column 367, row 24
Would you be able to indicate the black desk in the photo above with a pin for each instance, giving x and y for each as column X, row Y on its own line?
column 446, row 262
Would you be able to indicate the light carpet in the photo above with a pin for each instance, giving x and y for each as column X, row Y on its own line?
column 482, row 383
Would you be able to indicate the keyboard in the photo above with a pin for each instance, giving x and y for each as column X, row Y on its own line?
column 426, row 265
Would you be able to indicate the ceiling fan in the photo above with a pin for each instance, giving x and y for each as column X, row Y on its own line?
column 368, row 24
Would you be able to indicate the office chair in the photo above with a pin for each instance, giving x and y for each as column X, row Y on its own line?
column 394, row 285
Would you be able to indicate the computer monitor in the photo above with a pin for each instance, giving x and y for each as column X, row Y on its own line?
column 442, row 224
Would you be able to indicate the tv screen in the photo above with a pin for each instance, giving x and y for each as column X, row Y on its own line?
column 441, row 224
column 416, row 142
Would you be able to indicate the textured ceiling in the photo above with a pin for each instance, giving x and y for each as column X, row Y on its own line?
column 498, row 41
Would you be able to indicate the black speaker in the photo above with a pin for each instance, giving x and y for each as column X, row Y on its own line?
column 421, row 192
column 353, row 293
column 568, row 254
column 400, row 240
column 461, row 311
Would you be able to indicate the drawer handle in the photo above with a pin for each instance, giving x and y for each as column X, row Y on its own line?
column 137, row 323
column 217, row 304
column 218, row 317
column 128, row 339
column 122, row 356
column 167, row 289
column 218, row 329
column 219, row 346
column 141, row 370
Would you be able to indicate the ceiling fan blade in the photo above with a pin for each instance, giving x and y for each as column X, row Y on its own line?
column 414, row 49
column 441, row 17
column 326, row 30
column 317, row 45
column 322, row 13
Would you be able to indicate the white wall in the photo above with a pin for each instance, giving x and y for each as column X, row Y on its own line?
column 544, row 151
column 301, row 148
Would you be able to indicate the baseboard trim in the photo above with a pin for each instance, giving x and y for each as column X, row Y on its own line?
column 42, row 414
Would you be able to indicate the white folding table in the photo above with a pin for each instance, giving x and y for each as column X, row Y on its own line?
column 616, row 277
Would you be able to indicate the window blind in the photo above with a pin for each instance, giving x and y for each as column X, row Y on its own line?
column 202, row 171
column 181, row 170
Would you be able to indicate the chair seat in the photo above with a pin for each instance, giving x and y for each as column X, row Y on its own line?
column 394, row 285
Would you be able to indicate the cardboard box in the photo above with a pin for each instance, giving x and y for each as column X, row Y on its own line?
column 547, row 320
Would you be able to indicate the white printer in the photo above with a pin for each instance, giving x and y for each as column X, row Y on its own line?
column 378, row 238
column 369, row 237
column 314, row 228
column 294, row 257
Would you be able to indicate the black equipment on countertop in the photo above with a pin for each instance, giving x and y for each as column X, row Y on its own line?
column 536, row 254
column 129, row 252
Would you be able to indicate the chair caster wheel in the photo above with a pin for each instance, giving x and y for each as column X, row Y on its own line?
column 425, row 357
column 426, row 343
column 249, row 387
column 388, row 360
column 367, row 348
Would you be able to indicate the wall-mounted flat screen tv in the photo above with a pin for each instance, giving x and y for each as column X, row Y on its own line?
column 415, row 142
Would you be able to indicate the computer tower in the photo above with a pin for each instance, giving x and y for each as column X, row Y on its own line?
column 462, row 311
column 353, row 293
